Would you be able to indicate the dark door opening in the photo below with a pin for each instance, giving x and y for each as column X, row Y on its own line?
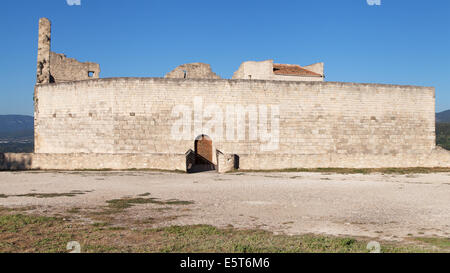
column 200, row 160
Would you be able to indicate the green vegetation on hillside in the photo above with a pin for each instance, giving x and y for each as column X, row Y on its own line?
column 16, row 147
column 443, row 135
column 443, row 117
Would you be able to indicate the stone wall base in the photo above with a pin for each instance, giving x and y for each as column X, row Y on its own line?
column 171, row 162
column 177, row 162
column 439, row 157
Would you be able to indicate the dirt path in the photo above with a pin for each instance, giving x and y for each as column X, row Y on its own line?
column 388, row 207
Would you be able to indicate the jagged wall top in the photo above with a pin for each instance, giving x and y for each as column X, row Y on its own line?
column 53, row 67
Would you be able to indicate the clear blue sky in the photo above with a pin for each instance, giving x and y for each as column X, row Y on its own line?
column 399, row 42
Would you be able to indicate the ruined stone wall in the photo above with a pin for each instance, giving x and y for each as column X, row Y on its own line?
column 254, row 70
column 193, row 71
column 264, row 71
column 322, row 124
column 53, row 67
column 63, row 69
column 43, row 55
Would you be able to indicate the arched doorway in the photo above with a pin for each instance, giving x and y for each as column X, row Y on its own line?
column 203, row 147
column 202, row 158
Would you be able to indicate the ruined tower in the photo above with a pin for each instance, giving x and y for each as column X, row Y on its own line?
column 55, row 67
column 43, row 59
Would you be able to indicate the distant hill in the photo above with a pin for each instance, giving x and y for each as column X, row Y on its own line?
column 16, row 134
column 16, row 125
column 443, row 117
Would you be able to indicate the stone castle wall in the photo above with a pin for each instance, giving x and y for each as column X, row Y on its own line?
column 63, row 69
column 321, row 124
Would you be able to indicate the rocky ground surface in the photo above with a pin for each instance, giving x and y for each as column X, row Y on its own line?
column 383, row 206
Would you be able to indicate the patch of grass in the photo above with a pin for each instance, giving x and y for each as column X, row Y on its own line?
column 14, row 223
column 52, row 244
column 417, row 170
column 443, row 243
column 176, row 202
column 89, row 248
column 116, row 206
column 443, row 135
column 73, row 210
column 144, row 194
column 116, row 228
column 148, row 220
column 198, row 230
column 152, row 221
column 124, row 203
column 100, row 224
column 163, row 209
column 46, row 195
column 29, row 233
column 243, row 248
column 4, row 209
column 80, row 191
column 26, row 208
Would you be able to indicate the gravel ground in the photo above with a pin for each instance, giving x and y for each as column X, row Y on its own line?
column 388, row 207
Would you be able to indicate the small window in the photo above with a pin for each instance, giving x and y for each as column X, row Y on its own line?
column 91, row 74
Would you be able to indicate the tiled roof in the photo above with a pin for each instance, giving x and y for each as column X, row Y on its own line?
column 293, row 70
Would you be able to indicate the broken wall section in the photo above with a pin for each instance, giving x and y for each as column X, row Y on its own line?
column 192, row 71
column 43, row 56
column 53, row 67
column 63, row 69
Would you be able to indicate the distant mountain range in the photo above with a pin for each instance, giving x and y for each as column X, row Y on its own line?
column 16, row 134
column 443, row 116
column 16, row 126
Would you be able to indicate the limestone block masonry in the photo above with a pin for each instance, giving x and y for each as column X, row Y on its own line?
column 321, row 124
column 63, row 69
column 43, row 59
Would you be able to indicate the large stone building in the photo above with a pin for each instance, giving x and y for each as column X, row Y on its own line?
column 268, row 116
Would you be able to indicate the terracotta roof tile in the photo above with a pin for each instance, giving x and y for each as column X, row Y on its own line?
column 293, row 70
